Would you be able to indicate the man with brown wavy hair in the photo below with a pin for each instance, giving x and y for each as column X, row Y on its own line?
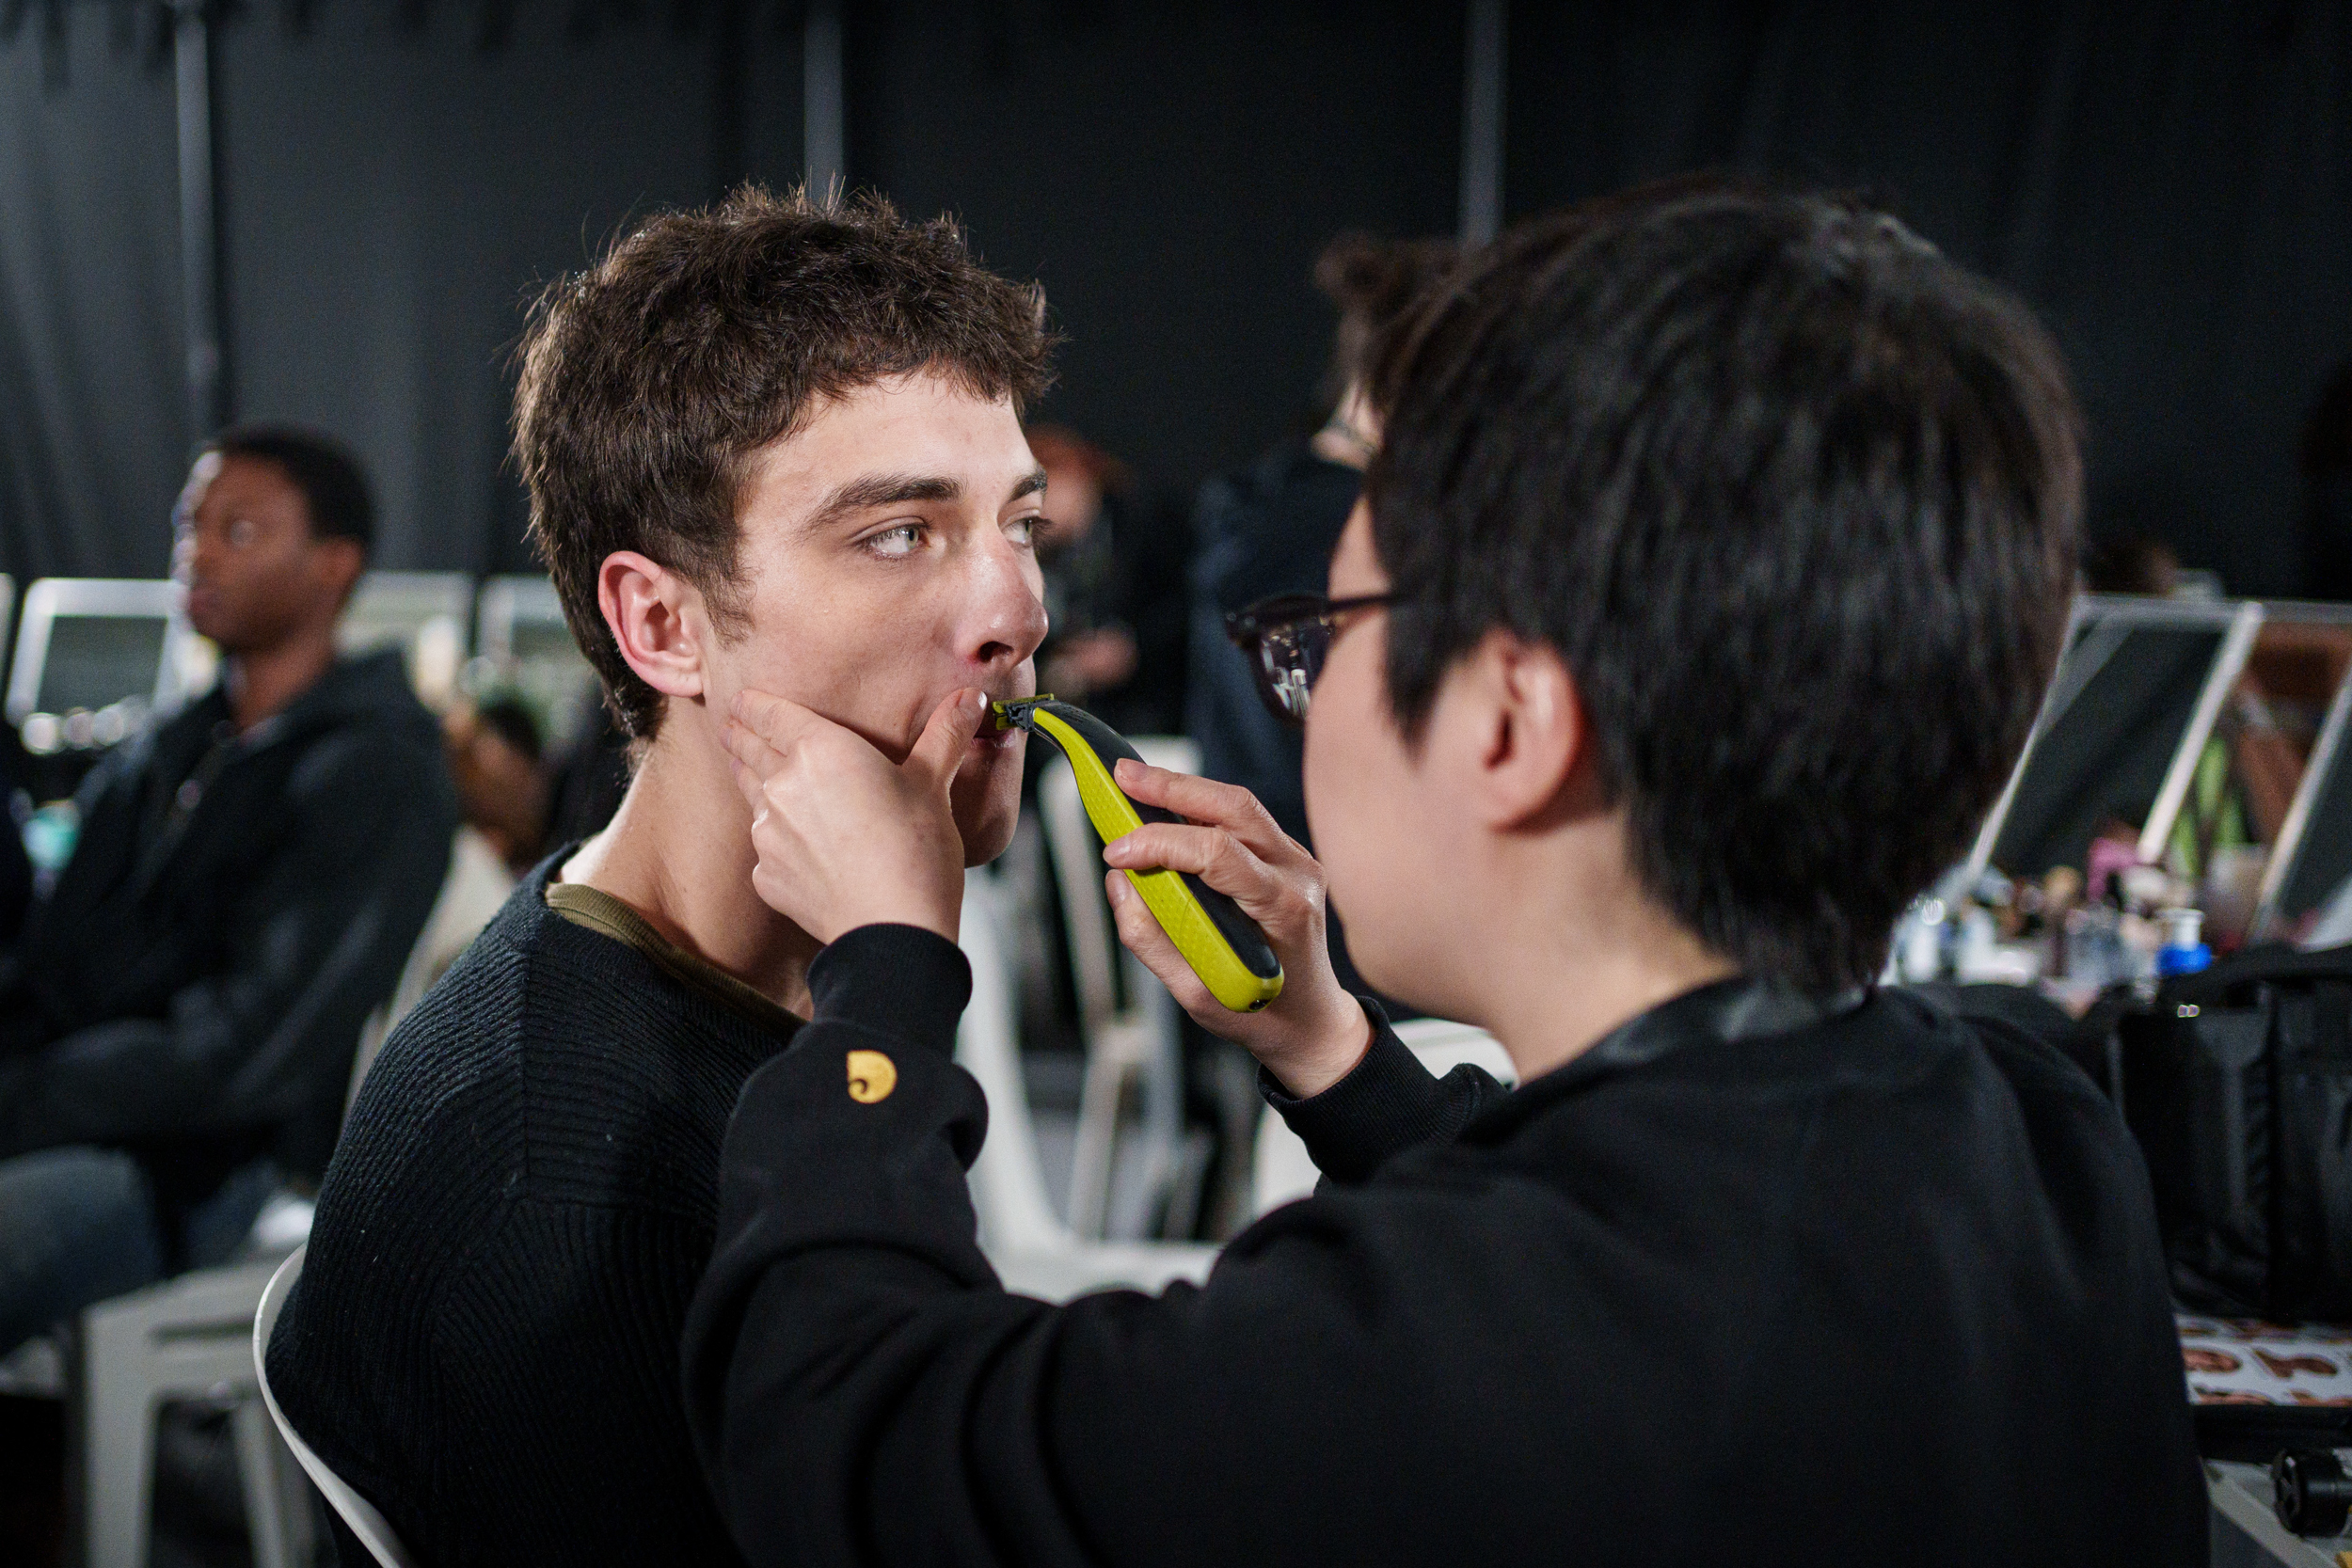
column 777, row 444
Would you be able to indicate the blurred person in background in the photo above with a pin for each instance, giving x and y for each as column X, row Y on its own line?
column 1270, row 528
column 2131, row 563
column 494, row 755
column 178, row 1020
column 1114, row 589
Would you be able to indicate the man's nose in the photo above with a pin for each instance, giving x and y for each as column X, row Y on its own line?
column 1006, row 616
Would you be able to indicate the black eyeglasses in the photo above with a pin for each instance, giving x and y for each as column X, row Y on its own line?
column 1286, row 638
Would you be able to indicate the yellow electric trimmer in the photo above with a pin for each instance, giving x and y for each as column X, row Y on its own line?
column 1223, row 945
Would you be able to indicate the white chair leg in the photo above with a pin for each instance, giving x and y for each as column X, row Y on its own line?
column 1100, row 1099
column 260, row 1469
column 119, row 1444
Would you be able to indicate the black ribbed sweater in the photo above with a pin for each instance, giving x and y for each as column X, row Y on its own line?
column 485, row 1338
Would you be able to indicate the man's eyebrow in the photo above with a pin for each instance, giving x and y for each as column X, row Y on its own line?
column 1030, row 484
column 873, row 490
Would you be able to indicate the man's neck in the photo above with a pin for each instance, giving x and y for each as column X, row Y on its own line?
column 1556, row 980
column 263, row 683
column 679, row 853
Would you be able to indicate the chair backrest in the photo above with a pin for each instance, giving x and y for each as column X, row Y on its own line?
column 374, row 1531
column 424, row 614
column 1087, row 926
column 1008, row 1179
column 103, row 653
column 520, row 631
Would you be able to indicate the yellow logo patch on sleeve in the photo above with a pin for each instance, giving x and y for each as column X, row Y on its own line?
column 872, row 1076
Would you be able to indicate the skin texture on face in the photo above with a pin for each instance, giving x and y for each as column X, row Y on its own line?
column 1482, row 871
column 1381, row 832
column 888, row 558
column 255, row 577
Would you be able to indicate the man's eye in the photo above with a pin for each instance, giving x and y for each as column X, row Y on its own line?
column 1028, row 531
column 896, row 544
column 241, row 533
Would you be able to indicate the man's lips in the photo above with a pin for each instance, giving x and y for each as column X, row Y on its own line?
column 986, row 735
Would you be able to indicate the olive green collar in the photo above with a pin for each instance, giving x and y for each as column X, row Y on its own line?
column 601, row 912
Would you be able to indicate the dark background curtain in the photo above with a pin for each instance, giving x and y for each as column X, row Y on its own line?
column 2170, row 184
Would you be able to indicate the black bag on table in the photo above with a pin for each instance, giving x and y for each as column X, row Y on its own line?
column 2237, row 1083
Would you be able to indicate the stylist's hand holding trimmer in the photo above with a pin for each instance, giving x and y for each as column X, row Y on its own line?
column 1313, row 1035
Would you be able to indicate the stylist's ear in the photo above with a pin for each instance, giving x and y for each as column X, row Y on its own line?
column 1532, row 757
column 657, row 619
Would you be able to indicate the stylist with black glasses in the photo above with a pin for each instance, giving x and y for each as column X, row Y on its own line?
column 1701, row 599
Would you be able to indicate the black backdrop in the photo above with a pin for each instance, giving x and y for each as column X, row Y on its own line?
column 2170, row 184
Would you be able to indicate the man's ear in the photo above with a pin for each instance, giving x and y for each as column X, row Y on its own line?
column 343, row 560
column 1533, row 749
column 655, row 617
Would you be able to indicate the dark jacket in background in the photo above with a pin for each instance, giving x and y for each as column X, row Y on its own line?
column 193, row 989
column 1269, row 530
column 1881, row 1287
column 1265, row 531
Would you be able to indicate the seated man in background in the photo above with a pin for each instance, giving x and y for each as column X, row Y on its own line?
column 1270, row 528
column 1704, row 592
column 178, row 1020
column 777, row 444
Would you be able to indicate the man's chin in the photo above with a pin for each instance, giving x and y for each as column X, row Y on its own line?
column 989, row 837
column 988, row 808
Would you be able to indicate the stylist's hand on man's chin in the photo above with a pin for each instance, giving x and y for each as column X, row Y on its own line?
column 1313, row 1035
column 847, row 838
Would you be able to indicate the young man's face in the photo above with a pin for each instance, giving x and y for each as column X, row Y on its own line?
column 886, row 561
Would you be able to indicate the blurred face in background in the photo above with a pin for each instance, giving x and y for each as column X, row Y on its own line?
column 1073, row 498
column 887, row 559
column 242, row 549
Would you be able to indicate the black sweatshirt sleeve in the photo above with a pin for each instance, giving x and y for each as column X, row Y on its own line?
column 1387, row 1103
column 861, row 1389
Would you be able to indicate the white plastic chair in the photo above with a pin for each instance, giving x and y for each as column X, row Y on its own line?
column 1283, row 1170
column 1137, row 1046
column 1033, row 1251
column 184, row 1339
column 360, row 1516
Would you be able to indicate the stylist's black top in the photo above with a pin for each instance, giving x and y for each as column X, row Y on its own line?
column 1881, row 1287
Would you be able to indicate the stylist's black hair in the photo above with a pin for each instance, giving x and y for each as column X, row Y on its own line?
column 334, row 487
column 1796, row 500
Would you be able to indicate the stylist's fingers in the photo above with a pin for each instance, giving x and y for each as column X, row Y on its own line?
column 1198, row 799
column 778, row 721
column 756, row 762
column 1267, row 894
column 746, row 745
column 1142, row 935
column 939, row 751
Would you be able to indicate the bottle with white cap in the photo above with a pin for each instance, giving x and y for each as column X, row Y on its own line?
column 2183, row 951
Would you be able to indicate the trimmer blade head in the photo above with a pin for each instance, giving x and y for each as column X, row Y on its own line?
column 1016, row 715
